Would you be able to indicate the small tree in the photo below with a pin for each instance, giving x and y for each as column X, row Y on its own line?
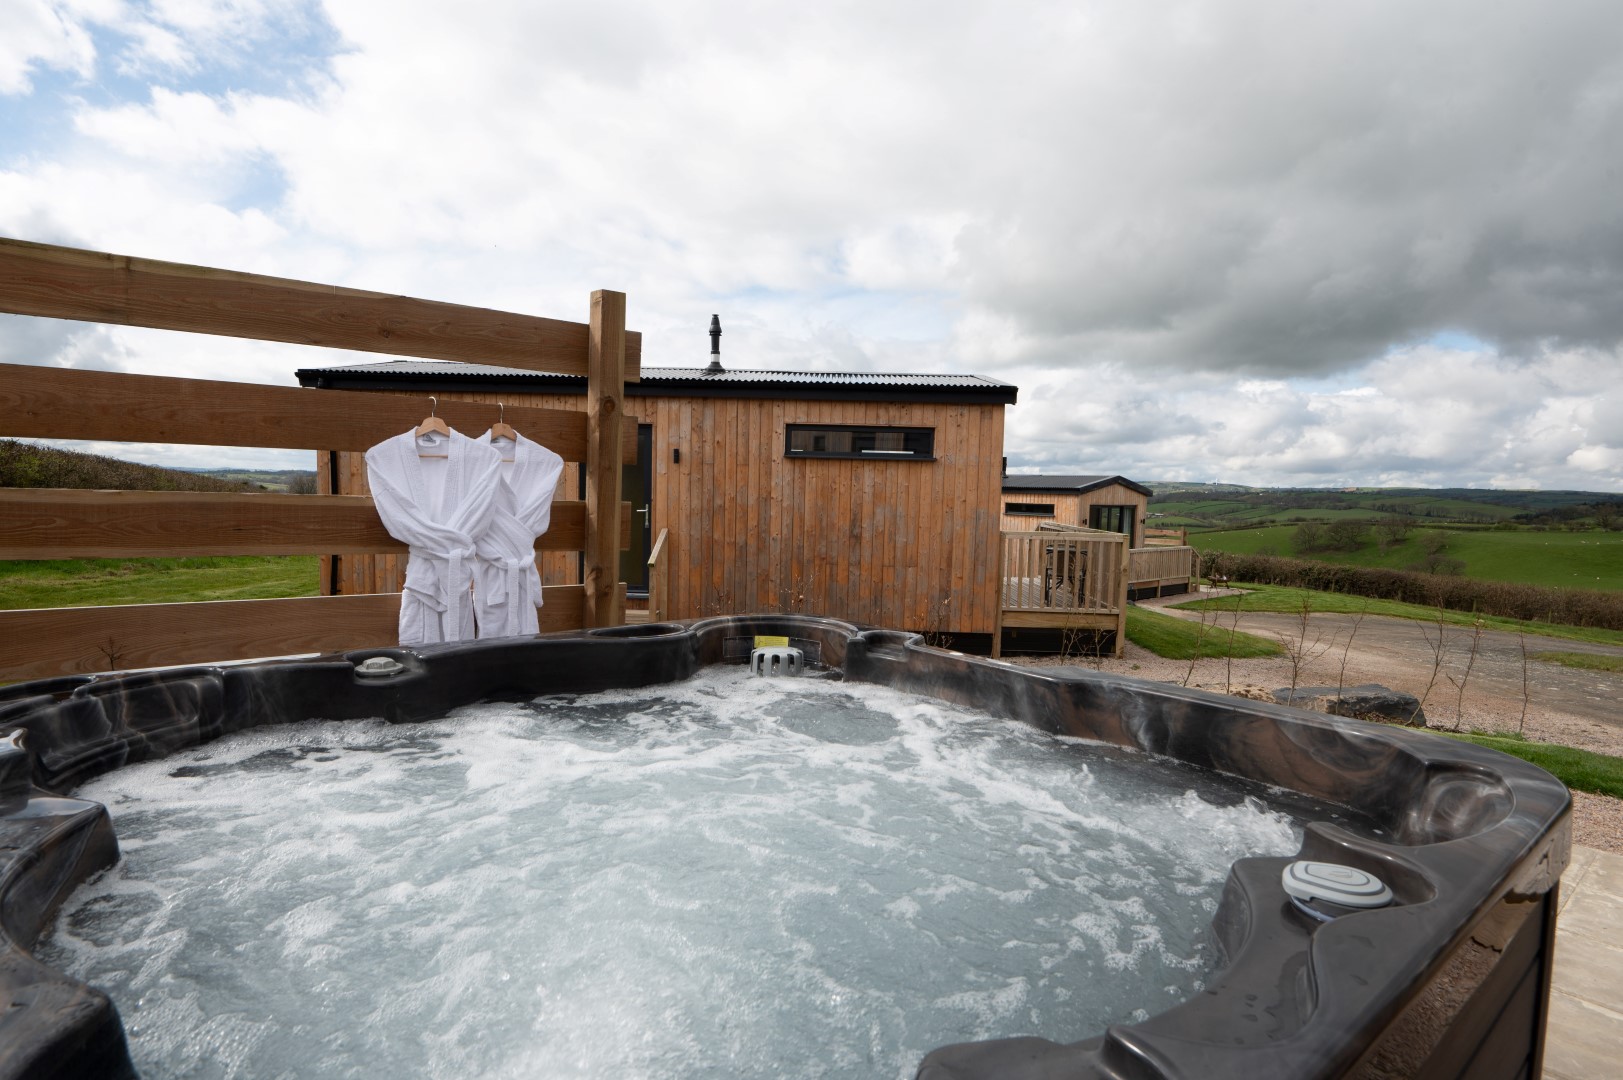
column 1390, row 532
column 1344, row 535
column 1309, row 536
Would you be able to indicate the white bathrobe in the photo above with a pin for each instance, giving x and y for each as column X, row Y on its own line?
column 508, row 587
column 439, row 507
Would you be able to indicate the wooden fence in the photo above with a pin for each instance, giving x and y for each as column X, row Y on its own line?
column 1064, row 579
column 1154, row 569
column 39, row 402
column 1165, row 538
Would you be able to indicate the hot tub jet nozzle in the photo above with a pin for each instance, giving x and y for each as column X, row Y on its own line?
column 777, row 660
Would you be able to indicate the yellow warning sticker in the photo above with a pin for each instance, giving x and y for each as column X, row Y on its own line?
column 766, row 641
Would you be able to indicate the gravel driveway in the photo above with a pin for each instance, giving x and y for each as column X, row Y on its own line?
column 1562, row 705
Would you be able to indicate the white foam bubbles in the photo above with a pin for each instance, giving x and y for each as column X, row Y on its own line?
column 728, row 877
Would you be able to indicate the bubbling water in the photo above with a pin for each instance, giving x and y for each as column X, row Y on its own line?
column 727, row 877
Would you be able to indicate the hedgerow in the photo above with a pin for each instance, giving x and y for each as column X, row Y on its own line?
column 1568, row 607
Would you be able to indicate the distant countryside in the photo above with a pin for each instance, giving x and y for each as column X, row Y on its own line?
column 1553, row 539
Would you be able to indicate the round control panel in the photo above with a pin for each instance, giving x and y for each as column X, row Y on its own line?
column 1332, row 883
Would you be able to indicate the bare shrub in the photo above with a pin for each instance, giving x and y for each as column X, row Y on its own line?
column 1341, row 676
column 1459, row 684
column 1521, row 724
column 1234, row 628
column 1200, row 641
column 1299, row 650
column 1439, row 651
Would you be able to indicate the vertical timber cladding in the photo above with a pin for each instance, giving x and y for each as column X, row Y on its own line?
column 1065, row 510
column 910, row 544
column 1116, row 495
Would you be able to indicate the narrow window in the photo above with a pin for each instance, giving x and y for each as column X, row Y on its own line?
column 1029, row 509
column 829, row 441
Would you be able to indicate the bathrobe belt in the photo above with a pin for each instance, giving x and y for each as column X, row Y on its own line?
column 520, row 585
column 449, row 587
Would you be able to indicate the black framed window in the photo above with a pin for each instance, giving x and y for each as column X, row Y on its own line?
column 1122, row 519
column 854, row 441
column 1029, row 509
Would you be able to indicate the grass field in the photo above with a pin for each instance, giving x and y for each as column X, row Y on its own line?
column 1576, row 560
column 1179, row 639
column 1582, row 660
column 1580, row 770
column 1286, row 600
column 83, row 582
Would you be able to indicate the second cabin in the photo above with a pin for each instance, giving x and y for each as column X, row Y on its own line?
column 1109, row 503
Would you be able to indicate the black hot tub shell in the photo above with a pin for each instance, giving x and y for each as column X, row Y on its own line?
column 1451, row 980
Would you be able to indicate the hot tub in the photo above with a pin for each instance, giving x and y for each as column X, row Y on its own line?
column 1450, row 980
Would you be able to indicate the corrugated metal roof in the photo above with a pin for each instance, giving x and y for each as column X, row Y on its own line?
column 820, row 378
column 1066, row 482
column 696, row 375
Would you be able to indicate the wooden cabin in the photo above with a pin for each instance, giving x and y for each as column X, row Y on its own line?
column 1110, row 503
column 860, row 496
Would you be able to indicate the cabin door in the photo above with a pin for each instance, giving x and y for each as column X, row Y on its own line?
column 1122, row 519
column 637, row 488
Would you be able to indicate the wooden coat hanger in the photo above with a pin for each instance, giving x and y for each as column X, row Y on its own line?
column 433, row 425
column 501, row 429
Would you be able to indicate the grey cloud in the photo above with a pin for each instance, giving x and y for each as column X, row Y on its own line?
column 1301, row 196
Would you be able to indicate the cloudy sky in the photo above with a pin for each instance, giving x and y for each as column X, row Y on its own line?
column 1252, row 241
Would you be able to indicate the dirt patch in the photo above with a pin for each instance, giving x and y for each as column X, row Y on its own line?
column 1466, row 680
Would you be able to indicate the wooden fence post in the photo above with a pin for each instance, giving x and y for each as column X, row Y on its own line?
column 605, row 385
column 1121, row 597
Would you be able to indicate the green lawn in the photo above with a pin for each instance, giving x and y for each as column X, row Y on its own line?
column 1581, row 560
column 1583, row 660
column 1580, row 770
column 1280, row 598
column 84, row 582
column 1178, row 639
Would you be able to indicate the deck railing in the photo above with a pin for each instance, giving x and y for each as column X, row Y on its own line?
column 1159, row 567
column 1063, row 571
column 1165, row 538
column 42, row 402
column 1063, row 579
column 659, row 585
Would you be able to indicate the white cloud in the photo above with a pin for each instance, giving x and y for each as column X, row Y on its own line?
column 41, row 34
column 1424, row 417
column 1205, row 240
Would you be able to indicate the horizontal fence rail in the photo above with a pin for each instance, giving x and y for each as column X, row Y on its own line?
column 59, row 403
column 46, row 642
column 62, row 523
column 51, row 403
column 93, row 286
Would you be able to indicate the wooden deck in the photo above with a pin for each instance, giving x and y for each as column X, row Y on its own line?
column 1063, row 578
